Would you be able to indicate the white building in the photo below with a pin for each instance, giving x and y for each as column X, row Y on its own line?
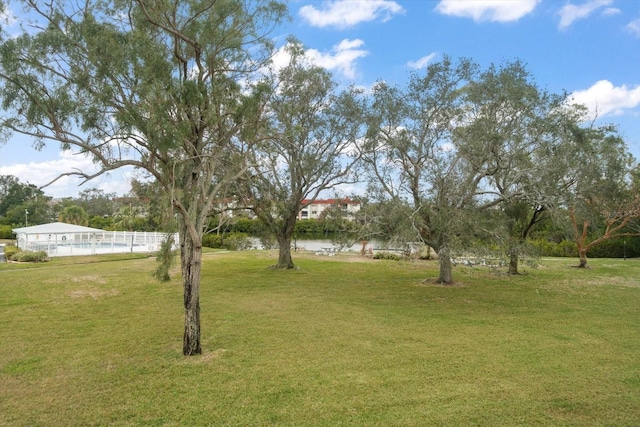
column 315, row 209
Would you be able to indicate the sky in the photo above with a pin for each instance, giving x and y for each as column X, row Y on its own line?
column 588, row 48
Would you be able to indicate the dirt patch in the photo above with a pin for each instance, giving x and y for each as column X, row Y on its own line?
column 205, row 357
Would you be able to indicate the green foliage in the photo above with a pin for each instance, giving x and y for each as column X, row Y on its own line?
column 229, row 241
column 249, row 226
column 29, row 256
column 74, row 215
column 309, row 226
column 388, row 256
column 101, row 222
column 165, row 259
column 620, row 247
column 564, row 248
column 5, row 232
column 10, row 250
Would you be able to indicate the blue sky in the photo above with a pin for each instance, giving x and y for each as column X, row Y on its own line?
column 589, row 48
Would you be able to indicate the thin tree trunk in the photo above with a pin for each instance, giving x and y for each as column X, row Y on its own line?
column 191, row 263
column 446, row 270
column 513, row 262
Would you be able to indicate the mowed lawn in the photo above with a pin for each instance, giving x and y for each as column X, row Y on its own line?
column 341, row 341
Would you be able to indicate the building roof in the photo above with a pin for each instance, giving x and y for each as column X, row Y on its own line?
column 55, row 228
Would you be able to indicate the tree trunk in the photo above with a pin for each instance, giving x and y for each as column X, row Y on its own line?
column 583, row 258
column 514, row 259
column 285, row 261
column 513, row 263
column 191, row 263
column 446, row 269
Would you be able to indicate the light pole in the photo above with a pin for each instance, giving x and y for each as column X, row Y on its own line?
column 26, row 218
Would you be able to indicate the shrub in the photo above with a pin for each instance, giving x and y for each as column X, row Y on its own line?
column 545, row 247
column 236, row 241
column 212, row 240
column 29, row 256
column 230, row 241
column 387, row 255
column 9, row 251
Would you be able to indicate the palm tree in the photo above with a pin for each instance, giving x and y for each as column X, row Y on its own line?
column 74, row 215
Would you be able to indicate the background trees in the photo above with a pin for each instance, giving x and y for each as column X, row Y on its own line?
column 22, row 203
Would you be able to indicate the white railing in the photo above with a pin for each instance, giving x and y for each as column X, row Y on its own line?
column 67, row 244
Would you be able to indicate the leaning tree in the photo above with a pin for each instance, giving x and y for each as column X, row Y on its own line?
column 153, row 85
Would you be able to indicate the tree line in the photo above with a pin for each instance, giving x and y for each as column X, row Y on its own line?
column 186, row 92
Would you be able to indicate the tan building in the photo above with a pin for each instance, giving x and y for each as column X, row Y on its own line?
column 315, row 209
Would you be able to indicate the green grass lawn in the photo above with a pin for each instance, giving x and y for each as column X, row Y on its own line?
column 336, row 342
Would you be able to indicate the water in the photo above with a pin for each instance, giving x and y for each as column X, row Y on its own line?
column 319, row 245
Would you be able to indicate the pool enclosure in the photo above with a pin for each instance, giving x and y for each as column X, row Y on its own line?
column 61, row 239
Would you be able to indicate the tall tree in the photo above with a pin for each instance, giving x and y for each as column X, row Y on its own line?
column 601, row 198
column 148, row 84
column 513, row 127
column 411, row 156
column 307, row 147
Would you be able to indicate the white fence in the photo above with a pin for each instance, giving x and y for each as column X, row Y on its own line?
column 107, row 242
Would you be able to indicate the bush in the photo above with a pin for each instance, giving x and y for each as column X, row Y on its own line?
column 230, row 241
column 251, row 227
column 212, row 241
column 9, row 251
column 387, row 255
column 616, row 248
column 236, row 241
column 549, row 248
column 29, row 256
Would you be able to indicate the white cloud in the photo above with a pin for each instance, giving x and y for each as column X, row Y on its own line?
column 487, row 10
column 341, row 59
column 634, row 27
column 604, row 98
column 347, row 13
column 41, row 173
column 610, row 11
column 571, row 12
column 422, row 62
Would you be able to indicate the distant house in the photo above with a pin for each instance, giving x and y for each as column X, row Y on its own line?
column 315, row 209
